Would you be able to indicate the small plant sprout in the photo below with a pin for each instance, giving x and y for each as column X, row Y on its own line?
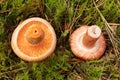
column 87, row 42
column 33, row 40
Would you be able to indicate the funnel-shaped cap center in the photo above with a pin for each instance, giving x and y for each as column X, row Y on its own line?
column 34, row 34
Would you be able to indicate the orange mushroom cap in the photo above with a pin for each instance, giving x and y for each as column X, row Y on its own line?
column 87, row 42
column 33, row 40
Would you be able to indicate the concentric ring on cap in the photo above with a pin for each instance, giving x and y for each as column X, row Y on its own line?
column 33, row 52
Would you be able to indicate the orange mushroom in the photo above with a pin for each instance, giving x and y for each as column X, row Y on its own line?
column 33, row 40
column 87, row 42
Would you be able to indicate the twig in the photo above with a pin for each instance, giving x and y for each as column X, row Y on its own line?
column 109, row 31
column 11, row 71
column 74, row 16
column 114, row 24
column 5, row 11
column 76, row 77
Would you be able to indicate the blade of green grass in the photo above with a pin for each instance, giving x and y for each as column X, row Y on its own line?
column 111, row 34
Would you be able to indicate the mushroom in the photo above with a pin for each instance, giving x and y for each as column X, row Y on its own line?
column 33, row 40
column 87, row 42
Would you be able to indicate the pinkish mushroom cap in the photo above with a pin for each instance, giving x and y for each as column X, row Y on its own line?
column 87, row 42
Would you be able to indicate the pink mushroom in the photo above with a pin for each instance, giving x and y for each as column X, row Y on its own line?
column 87, row 42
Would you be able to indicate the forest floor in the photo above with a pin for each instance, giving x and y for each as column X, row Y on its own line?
column 65, row 16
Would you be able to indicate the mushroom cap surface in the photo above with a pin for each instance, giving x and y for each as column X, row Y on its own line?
column 81, row 51
column 33, row 52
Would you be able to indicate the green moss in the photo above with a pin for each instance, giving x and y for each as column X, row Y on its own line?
column 65, row 16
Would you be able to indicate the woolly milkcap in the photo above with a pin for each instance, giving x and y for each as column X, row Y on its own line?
column 33, row 40
column 87, row 42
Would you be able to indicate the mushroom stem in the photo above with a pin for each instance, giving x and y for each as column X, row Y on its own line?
column 91, row 36
column 34, row 34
